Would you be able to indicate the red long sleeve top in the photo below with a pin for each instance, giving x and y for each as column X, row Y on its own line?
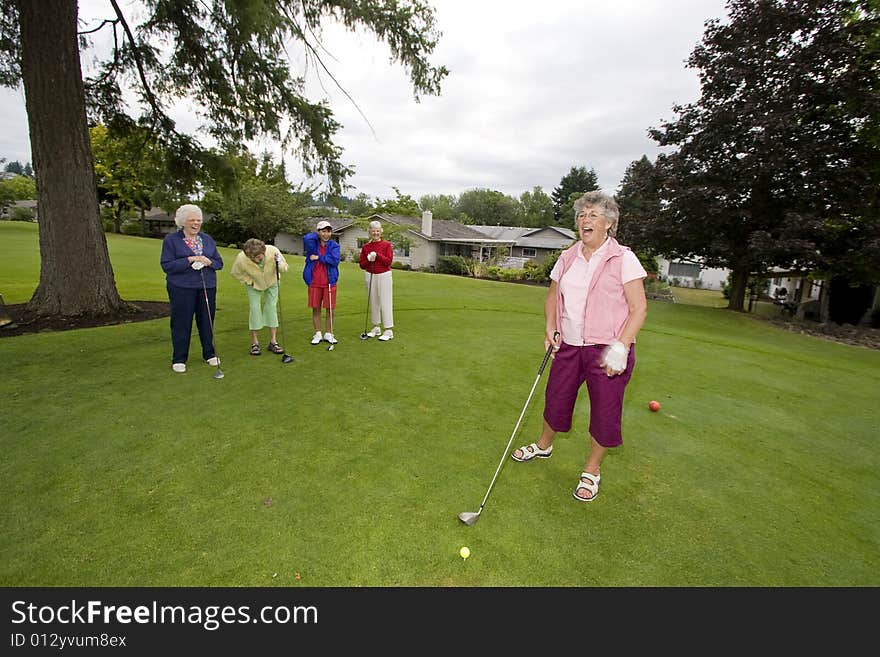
column 384, row 256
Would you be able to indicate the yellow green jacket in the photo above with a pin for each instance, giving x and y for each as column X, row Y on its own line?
column 248, row 272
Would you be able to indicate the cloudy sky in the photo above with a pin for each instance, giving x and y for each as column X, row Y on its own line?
column 533, row 90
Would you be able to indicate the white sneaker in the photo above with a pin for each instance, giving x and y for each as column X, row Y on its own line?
column 316, row 338
column 375, row 333
column 387, row 335
column 329, row 338
column 179, row 367
column 213, row 361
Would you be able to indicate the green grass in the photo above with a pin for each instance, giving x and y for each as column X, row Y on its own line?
column 761, row 469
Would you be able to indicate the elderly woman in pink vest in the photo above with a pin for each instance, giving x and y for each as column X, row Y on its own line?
column 594, row 309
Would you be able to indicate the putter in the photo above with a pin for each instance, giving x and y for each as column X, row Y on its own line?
column 285, row 358
column 470, row 517
column 330, row 309
column 219, row 373
column 364, row 335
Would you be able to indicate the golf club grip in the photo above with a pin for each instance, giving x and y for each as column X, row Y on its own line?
column 547, row 356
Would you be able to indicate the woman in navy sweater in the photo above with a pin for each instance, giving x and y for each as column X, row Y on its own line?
column 190, row 261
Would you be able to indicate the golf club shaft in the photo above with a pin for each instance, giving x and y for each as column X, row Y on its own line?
column 280, row 316
column 330, row 309
column 516, row 428
column 369, row 295
column 210, row 319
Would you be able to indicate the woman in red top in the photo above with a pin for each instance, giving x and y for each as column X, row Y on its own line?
column 376, row 258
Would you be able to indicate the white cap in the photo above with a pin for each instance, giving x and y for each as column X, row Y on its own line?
column 323, row 224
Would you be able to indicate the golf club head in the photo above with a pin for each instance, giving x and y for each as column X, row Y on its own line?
column 219, row 374
column 469, row 517
column 364, row 336
column 330, row 348
column 287, row 358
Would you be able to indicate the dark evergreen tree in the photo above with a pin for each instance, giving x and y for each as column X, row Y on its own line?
column 575, row 183
column 778, row 157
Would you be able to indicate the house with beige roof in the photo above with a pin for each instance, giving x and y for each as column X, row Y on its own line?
column 429, row 239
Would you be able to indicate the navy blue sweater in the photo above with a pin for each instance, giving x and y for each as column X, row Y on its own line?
column 178, row 268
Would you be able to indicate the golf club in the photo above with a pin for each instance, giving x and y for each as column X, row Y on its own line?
column 364, row 335
column 469, row 517
column 330, row 309
column 285, row 358
column 219, row 373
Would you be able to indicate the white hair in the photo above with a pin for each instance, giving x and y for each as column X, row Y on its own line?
column 376, row 224
column 184, row 212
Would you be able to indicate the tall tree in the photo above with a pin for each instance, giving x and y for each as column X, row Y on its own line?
column 442, row 206
column 577, row 182
column 537, row 208
column 639, row 200
column 489, row 207
column 260, row 203
column 128, row 169
column 772, row 154
column 402, row 204
column 231, row 56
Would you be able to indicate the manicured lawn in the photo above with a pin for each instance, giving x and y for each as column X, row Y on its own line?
column 761, row 469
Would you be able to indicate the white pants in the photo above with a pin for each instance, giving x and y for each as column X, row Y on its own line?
column 381, row 292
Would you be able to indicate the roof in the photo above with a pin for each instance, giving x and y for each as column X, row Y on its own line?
column 441, row 229
column 545, row 237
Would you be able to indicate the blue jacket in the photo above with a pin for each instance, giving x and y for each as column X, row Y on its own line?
column 178, row 269
column 312, row 246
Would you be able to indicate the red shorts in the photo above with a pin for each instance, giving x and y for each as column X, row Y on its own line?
column 322, row 297
column 573, row 366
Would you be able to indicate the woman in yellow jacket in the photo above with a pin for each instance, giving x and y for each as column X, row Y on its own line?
column 258, row 266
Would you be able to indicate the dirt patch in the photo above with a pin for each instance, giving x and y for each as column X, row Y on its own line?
column 24, row 321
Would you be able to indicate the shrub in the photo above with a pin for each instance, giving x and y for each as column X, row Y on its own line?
column 453, row 265
column 547, row 267
column 396, row 265
column 17, row 213
column 131, row 228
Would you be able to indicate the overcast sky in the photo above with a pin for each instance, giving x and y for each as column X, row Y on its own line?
column 534, row 89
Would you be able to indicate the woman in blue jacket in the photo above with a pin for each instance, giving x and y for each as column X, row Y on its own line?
column 321, row 273
column 190, row 261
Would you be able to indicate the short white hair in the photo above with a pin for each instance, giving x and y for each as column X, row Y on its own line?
column 376, row 224
column 185, row 212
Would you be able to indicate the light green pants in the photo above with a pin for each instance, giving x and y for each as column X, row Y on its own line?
column 263, row 307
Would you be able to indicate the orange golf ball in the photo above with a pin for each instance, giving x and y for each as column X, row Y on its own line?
column 654, row 405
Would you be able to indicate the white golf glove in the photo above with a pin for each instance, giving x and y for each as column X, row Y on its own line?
column 615, row 357
column 371, row 256
column 197, row 264
column 277, row 259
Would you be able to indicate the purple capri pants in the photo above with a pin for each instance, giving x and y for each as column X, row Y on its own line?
column 573, row 366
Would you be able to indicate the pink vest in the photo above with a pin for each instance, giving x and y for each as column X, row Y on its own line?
column 606, row 311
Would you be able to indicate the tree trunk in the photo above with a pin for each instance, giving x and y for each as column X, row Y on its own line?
column 739, row 279
column 76, row 277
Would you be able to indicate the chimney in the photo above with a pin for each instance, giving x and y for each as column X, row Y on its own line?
column 427, row 221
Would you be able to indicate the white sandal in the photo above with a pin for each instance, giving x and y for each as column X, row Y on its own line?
column 592, row 485
column 532, row 451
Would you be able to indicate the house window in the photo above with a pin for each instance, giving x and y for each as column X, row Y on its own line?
column 403, row 252
column 684, row 270
column 457, row 249
column 529, row 253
